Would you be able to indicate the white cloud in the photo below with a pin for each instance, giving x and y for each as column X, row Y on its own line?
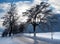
column 1, row 23
column 36, row 2
column 55, row 4
column 22, row 6
column 4, row 6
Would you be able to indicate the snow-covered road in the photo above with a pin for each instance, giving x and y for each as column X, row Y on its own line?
column 28, row 38
column 20, row 40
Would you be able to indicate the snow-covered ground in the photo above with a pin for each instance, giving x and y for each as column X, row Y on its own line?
column 56, row 35
column 28, row 38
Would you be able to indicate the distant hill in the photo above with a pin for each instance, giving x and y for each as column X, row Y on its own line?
column 1, row 30
column 56, row 27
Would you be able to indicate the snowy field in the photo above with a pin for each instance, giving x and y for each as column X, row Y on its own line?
column 56, row 35
column 26, row 38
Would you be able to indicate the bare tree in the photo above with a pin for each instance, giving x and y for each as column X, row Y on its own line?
column 39, row 16
column 21, row 27
column 10, row 20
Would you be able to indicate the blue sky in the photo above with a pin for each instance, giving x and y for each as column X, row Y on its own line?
column 23, row 5
column 10, row 1
column 1, row 1
column 1, row 10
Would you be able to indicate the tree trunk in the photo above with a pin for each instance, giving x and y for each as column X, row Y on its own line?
column 34, row 27
column 10, row 32
column 52, row 35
